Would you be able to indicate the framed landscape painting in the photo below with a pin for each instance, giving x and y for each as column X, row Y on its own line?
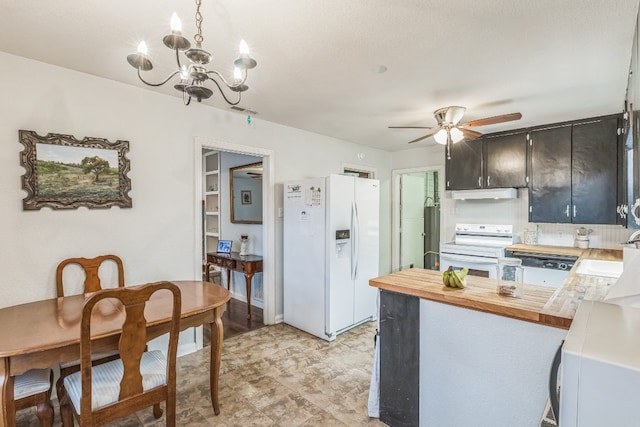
column 65, row 173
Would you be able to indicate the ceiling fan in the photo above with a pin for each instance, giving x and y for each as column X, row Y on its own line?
column 449, row 131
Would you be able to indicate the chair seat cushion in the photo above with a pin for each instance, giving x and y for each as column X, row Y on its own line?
column 31, row 382
column 105, row 379
column 95, row 356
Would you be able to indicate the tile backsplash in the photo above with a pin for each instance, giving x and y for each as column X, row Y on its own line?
column 515, row 212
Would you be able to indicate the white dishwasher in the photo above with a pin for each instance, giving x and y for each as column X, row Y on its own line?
column 544, row 269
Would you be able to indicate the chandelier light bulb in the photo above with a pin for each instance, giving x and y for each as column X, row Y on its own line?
column 456, row 135
column 237, row 74
column 244, row 48
column 176, row 24
column 142, row 48
column 184, row 73
column 441, row 137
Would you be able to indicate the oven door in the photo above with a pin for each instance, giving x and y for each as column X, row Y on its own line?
column 477, row 265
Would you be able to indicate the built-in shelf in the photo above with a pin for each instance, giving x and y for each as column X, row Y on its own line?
column 211, row 196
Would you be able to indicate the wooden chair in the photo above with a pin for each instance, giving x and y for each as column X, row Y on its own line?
column 92, row 283
column 91, row 267
column 33, row 388
column 102, row 393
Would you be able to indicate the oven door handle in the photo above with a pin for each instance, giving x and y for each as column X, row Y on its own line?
column 465, row 258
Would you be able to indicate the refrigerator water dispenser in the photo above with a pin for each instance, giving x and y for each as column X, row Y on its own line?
column 342, row 238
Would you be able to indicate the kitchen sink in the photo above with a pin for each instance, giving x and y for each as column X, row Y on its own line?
column 598, row 267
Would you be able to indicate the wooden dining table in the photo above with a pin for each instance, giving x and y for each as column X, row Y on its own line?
column 43, row 333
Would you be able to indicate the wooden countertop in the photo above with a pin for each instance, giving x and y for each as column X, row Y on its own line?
column 564, row 302
column 480, row 294
column 539, row 304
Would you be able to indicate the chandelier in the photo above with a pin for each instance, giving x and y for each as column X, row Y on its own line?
column 194, row 75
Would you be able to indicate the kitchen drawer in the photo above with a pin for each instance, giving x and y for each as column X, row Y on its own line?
column 249, row 266
column 222, row 262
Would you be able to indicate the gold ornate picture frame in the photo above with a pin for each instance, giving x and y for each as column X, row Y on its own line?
column 65, row 173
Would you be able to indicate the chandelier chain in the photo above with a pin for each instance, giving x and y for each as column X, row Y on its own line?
column 198, row 37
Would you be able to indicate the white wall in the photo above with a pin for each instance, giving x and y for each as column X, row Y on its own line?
column 155, row 238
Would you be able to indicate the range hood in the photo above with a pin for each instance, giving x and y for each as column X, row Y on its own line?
column 489, row 193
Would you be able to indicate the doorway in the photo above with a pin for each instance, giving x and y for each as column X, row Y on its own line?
column 267, row 232
column 416, row 219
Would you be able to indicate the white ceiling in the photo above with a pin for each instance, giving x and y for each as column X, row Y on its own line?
column 551, row 60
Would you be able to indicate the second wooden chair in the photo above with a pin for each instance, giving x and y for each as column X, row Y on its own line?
column 92, row 283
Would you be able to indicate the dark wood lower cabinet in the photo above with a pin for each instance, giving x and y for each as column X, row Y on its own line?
column 399, row 359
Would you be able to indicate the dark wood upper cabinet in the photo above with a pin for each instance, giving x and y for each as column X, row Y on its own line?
column 550, row 181
column 464, row 168
column 594, row 176
column 574, row 173
column 498, row 161
column 505, row 160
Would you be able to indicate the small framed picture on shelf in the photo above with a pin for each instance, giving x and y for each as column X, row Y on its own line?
column 224, row 246
column 246, row 197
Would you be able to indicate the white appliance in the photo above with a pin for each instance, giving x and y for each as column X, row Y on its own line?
column 477, row 247
column 600, row 368
column 544, row 269
column 331, row 250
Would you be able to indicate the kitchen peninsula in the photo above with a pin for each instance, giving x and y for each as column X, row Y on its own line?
column 468, row 356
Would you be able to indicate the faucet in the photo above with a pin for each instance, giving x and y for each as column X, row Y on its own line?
column 634, row 238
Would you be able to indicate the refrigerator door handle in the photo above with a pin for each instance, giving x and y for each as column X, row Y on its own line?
column 355, row 241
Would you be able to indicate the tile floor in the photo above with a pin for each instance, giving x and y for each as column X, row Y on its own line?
column 273, row 376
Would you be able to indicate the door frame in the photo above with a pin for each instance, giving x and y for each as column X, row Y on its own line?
column 268, row 214
column 395, row 211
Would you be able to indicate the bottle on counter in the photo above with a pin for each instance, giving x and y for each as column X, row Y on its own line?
column 509, row 278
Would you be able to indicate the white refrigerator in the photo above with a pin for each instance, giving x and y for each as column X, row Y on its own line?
column 331, row 250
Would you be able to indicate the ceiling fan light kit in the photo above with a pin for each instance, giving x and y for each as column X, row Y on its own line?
column 449, row 131
column 194, row 75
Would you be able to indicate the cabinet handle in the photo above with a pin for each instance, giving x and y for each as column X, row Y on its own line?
column 622, row 210
column 567, row 211
column 488, row 181
column 574, row 211
column 479, row 181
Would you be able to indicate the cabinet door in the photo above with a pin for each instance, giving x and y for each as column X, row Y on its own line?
column 550, row 181
column 464, row 169
column 506, row 161
column 594, row 176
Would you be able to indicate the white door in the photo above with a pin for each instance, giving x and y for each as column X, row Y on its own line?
column 340, row 216
column 367, row 241
column 303, row 255
column 412, row 194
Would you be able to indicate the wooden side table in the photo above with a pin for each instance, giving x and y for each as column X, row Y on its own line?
column 249, row 265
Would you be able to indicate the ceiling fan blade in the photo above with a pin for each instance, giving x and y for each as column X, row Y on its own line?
column 425, row 136
column 410, row 127
column 493, row 120
column 470, row 134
